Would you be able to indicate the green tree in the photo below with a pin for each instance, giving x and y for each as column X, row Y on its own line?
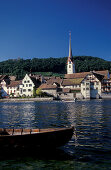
column 19, row 67
column 39, row 92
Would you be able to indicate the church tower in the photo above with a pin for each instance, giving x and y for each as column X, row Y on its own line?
column 70, row 62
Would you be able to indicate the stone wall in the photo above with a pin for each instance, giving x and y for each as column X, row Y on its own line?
column 79, row 96
column 106, row 95
column 27, row 99
column 66, row 96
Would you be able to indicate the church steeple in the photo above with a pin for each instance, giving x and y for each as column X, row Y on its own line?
column 70, row 50
column 70, row 63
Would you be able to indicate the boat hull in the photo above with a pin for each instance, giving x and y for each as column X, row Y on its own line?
column 54, row 138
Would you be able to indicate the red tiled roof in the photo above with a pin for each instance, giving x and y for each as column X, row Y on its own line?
column 66, row 90
column 83, row 74
column 70, row 82
column 103, row 72
column 15, row 83
column 47, row 86
column 54, row 80
column 76, row 75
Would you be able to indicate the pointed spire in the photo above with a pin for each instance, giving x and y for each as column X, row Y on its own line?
column 70, row 62
column 70, row 50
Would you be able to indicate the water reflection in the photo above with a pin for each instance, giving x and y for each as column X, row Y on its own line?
column 33, row 114
column 91, row 118
column 16, row 114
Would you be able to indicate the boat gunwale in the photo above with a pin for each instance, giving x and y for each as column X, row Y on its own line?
column 41, row 131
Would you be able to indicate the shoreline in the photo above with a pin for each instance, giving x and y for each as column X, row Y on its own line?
column 41, row 99
column 26, row 99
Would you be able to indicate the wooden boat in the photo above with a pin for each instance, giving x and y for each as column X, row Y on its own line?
column 42, row 138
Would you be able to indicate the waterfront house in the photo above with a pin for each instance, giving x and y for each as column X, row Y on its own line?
column 4, row 82
column 28, row 84
column 90, row 84
column 106, row 82
column 106, row 88
column 73, row 84
column 72, row 87
column 13, row 89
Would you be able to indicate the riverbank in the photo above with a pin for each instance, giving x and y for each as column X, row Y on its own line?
column 26, row 99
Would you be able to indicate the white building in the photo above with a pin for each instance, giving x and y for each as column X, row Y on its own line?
column 13, row 89
column 89, row 83
column 91, row 86
column 4, row 82
column 28, row 85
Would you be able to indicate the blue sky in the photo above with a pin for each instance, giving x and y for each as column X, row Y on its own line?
column 40, row 28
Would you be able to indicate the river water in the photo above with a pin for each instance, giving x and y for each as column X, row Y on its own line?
column 90, row 146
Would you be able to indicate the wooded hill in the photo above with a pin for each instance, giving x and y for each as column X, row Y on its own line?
column 19, row 67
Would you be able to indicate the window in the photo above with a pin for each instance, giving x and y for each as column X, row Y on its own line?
column 97, row 83
column 87, row 84
column 83, row 88
column 92, row 83
column 28, row 81
column 24, row 81
column 69, row 66
column 24, row 90
column 29, row 89
column 21, row 91
column 30, row 85
column 26, row 85
column 87, row 88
